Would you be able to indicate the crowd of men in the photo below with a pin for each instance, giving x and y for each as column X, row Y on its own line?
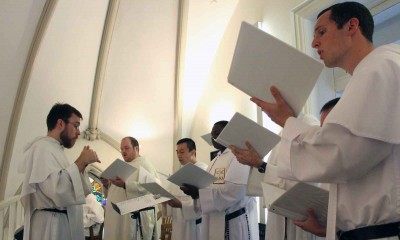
column 353, row 153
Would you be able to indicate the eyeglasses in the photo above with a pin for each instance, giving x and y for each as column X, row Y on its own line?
column 76, row 125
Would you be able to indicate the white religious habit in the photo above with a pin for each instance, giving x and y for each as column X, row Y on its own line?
column 185, row 221
column 278, row 227
column 357, row 149
column 122, row 227
column 52, row 194
column 227, row 213
column 93, row 215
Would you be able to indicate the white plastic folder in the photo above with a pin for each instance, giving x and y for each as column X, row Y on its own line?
column 157, row 190
column 261, row 60
column 293, row 203
column 241, row 129
column 118, row 168
column 193, row 175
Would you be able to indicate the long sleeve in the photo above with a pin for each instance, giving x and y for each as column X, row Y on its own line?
column 64, row 188
column 335, row 154
column 220, row 197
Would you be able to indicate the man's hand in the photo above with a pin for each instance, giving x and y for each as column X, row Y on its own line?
column 190, row 190
column 87, row 157
column 247, row 156
column 119, row 182
column 175, row 203
column 279, row 111
column 311, row 225
column 106, row 183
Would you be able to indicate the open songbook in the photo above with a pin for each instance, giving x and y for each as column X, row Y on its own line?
column 293, row 203
column 135, row 204
column 118, row 168
column 192, row 175
column 157, row 190
column 241, row 129
column 260, row 60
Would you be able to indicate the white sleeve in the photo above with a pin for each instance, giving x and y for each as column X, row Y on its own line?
column 326, row 154
column 64, row 187
column 188, row 210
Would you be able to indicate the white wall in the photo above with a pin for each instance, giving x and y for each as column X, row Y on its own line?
column 15, row 41
column 63, row 72
column 207, row 65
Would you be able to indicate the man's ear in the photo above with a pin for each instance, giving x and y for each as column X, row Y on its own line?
column 136, row 148
column 193, row 152
column 60, row 124
column 353, row 25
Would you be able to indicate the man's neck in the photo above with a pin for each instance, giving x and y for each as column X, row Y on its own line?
column 54, row 135
column 356, row 55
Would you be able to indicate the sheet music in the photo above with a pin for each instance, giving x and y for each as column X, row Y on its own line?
column 135, row 204
column 293, row 203
column 186, row 175
column 260, row 60
column 241, row 129
column 118, row 168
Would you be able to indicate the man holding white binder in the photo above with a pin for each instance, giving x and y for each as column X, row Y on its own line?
column 357, row 149
column 185, row 221
column 279, row 227
column 121, row 227
column 227, row 213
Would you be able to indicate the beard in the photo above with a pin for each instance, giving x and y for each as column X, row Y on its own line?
column 65, row 140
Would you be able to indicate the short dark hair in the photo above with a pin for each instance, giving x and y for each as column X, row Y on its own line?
column 222, row 123
column 61, row 111
column 189, row 142
column 330, row 104
column 133, row 140
column 341, row 13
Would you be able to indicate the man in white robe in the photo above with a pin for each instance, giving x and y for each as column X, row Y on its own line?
column 144, row 224
column 357, row 149
column 279, row 227
column 226, row 211
column 93, row 215
column 185, row 221
column 54, row 190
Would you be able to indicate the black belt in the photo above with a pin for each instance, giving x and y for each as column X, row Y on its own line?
column 53, row 210
column 135, row 215
column 198, row 221
column 235, row 214
column 371, row 232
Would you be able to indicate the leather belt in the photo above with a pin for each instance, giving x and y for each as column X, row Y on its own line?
column 371, row 232
column 198, row 221
column 53, row 210
column 135, row 215
column 235, row 214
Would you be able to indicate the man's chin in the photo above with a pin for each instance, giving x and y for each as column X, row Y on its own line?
column 71, row 144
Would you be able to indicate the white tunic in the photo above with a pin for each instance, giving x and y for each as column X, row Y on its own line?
column 122, row 227
column 51, row 182
column 184, row 219
column 277, row 226
column 357, row 148
column 225, row 196
column 93, row 215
